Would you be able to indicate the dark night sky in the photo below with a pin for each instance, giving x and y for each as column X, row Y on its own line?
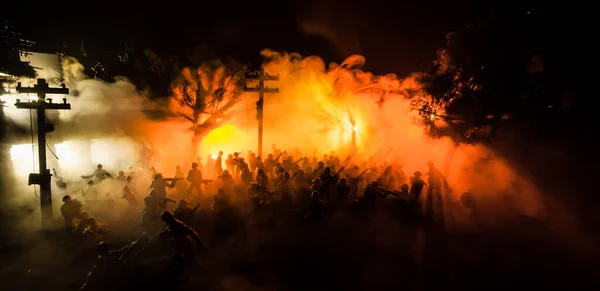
column 394, row 36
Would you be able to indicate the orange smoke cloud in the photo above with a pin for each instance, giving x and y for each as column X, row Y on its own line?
column 319, row 105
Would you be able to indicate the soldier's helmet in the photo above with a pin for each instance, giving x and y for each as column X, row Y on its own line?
column 430, row 164
column 418, row 173
column 158, row 176
column 270, row 156
column 66, row 198
column 328, row 170
column 121, row 173
column 166, row 216
column 220, row 153
column 90, row 182
column 321, row 163
column 129, row 178
column 194, row 165
column 236, row 154
column 99, row 166
column 261, row 171
column 286, row 175
column 343, row 181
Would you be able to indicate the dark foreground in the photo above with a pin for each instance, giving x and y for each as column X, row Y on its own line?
column 346, row 253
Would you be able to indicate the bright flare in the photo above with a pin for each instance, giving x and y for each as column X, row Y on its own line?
column 23, row 157
column 228, row 139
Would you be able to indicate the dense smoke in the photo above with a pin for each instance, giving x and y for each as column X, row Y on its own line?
column 318, row 104
column 318, row 110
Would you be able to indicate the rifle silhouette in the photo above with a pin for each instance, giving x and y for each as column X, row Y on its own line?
column 387, row 170
column 279, row 156
column 300, row 159
column 195, row 209
column 356, row 179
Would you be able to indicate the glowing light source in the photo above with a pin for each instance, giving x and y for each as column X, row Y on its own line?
column 113, row 154
column 22, row 157
column 432, row 117
column 67, row 158
column 228, row 139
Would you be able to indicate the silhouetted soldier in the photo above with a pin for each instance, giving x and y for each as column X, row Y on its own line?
column 70, row 209
column 179, row 173
column 227, row 181
column 259, row 164
column 121, row 177
column 219, row 164
column 183, row 211
column 151, row 213
column 270, row 164
column 230, row 163
column 288, row 164
column 88, row 225
column 316, row 185
column 237, row 169
column 262, row 179
column 182, row 237
column 316, row 210
column 127, row 194
column 372, row 192
column 194, row 176
column 328, row 181
column 252, row 161
column 302, row 187
column 246, row 176
column 343, row 190
column 99, row 174
column 284, row 191
column 416, row 186
column 305, row 163
column 58, row 180
column 160, row 184
column 434, row 190
column 318, row 170
column 90, row 194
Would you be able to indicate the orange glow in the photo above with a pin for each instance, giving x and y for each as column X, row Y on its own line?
column 322, row 107
column 227, row 138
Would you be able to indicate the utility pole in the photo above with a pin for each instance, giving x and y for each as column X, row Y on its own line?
column 261, row 76
column 41, row 105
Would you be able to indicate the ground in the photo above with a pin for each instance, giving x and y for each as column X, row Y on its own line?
column 388, row 253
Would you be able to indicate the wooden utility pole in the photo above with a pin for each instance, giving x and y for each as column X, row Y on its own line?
column 41, row 105
column 261, row 76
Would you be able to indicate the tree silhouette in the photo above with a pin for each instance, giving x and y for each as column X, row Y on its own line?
column 206, row 94
column 484, row 74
